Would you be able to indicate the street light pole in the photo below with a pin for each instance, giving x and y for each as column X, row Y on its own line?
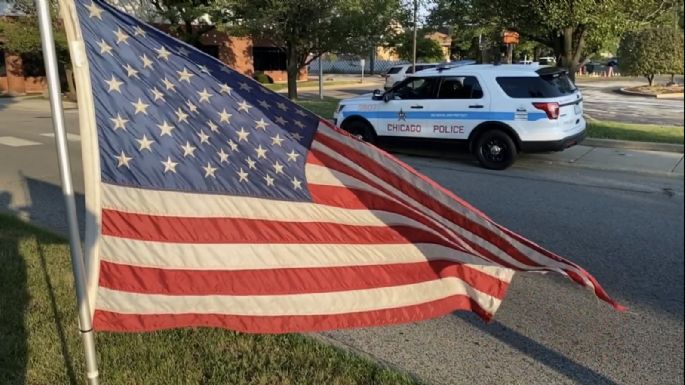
column 416, row 9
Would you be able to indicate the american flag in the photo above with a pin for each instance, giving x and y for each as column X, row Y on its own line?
column 224, row 204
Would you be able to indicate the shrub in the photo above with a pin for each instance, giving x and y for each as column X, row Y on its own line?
column 651, row 51
column 262, row 78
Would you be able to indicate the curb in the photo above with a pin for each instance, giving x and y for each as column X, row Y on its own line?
column 630, row 145
column 625, row 91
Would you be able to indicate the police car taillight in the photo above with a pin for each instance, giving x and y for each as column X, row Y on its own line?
column 550, row 108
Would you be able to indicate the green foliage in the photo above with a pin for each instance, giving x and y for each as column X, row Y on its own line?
column 262, row 78
column 190, row 19
column 22, row 36
column 574, row 29
column 427, row 50
column 652, row 51
column 305, row 29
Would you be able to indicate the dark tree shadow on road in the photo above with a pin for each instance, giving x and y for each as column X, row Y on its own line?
column 554, row 360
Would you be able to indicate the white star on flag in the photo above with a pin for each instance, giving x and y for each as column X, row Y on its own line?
column 244, row 106
column 119, row 122
column 123, row 160
column 114, row 84
column 261, row 124
column 163, row 53
column 145, row 143
column 169, row 165
column 209, row 171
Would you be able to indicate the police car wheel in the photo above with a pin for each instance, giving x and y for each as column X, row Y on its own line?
column 495, row 150
column 361, row 130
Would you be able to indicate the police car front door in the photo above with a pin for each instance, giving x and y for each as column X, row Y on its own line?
column 459, row 107
column 406, row 114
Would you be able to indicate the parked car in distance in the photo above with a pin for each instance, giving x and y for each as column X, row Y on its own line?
column 399, row 72
column 547, row 61
column 498, row 110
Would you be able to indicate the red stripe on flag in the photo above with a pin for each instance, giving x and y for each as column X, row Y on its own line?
column 109, row 321
column 289, row 281
column 238, row 230
column 416, row 194
column 351, row 198
column 334, row 164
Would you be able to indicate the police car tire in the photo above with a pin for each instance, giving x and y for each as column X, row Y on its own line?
column 495, row 150
column 361, row 130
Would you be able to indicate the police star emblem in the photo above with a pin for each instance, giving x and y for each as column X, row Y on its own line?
column 402, row 116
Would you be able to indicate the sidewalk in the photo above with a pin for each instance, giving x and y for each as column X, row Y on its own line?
column 614, row 159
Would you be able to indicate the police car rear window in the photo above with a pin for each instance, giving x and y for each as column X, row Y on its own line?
column 537, row 87
column 394, row 70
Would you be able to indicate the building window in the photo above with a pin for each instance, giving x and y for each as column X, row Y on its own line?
column 268, row 59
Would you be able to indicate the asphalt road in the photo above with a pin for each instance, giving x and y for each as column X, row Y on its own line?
column 627, row 229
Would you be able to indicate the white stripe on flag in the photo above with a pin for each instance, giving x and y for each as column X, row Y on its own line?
column 294, row 304
column 273, row 256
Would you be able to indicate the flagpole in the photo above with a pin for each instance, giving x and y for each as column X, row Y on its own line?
column 77, row 263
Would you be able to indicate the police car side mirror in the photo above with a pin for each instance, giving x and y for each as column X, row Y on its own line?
column 377, row 94
column 388, row 96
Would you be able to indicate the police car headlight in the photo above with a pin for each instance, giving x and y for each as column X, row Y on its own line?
column 340, row 107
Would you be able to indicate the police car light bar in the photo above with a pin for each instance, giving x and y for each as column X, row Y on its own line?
column 444, row 66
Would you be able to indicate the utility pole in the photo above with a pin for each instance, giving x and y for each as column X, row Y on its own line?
column 416, row 10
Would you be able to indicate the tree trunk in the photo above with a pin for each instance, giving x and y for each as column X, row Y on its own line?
column 372, row 61
column 293, row 70
column 650, row 79
column 571, row 54
column 567, row 55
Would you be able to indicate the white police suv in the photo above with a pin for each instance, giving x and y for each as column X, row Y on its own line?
column 500, row 110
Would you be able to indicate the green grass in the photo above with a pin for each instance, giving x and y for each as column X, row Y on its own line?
column 310, row 83
column 40, row 345
column 636, row 132
column 324, row 108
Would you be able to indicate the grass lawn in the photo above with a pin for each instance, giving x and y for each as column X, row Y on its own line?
column 40, row 345
column 324, row 108
column 637, row 132
column 310, row 83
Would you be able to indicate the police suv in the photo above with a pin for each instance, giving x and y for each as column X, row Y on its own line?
column 500, row 110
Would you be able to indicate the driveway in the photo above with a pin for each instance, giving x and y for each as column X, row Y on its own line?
column 603, row 102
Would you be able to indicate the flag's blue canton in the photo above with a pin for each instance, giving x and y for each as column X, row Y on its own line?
column 170, row 117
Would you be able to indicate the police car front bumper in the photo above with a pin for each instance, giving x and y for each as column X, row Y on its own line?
column 553, row 145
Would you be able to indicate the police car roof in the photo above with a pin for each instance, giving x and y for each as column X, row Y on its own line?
column 499, row 69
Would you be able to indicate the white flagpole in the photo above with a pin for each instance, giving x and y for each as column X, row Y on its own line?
column 77, row 264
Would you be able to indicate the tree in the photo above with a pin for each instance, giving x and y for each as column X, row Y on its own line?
column 306, row 29
column 572, row 28
column 22, row 36
column 190, row 19
column 426, row 49
column 652, row 51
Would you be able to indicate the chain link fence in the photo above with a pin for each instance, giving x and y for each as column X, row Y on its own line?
column 353, row 66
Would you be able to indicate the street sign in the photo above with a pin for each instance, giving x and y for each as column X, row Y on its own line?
column 510, row 37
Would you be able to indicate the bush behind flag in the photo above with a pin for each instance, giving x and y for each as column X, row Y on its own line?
column 217, row 202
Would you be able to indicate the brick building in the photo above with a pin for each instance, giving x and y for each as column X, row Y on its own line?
column 244, row 54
